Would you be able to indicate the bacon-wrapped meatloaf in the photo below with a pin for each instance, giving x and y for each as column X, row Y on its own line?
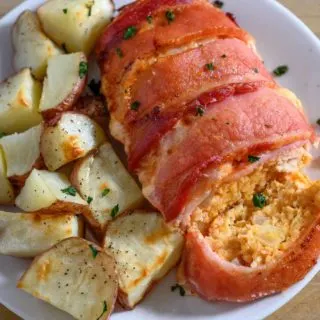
column 217, row 144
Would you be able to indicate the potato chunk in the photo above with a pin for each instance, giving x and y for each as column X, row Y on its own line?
column 75, row 276
column 44, row 189
column 6, row 190
column 32, row 47
column 145, row 249
column 21, row 151
column 75, row 24
column 29, row 234
column 71, row 138
column 102, row 178
column 64, row 83
column 19, row 102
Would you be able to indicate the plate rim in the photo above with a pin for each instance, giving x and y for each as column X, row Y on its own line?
column 17, row 10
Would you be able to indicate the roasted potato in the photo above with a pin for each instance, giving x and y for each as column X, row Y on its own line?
column 19, row 102
column 32, row 48
column 75, row 276
column 145, row 249
column 21, row 150
column 65, row 81
column 102, row 179
column 29, row 234
column 71, row 138
column 52, row 190
column 95, row 108
column 6, row 190
column 67, row 169
column 75, row 25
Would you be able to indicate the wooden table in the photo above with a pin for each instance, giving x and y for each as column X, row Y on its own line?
column 306, row 305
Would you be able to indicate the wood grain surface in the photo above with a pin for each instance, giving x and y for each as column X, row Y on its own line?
column 306, row 305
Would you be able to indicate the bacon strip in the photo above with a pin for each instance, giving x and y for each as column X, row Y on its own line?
column 190, row 19
column 216, row 279
column 147, row 132
column 165, row 89
column 240, row 125
column 170, row 85
column 175, row 78
column 202, row 98
column 191, row 25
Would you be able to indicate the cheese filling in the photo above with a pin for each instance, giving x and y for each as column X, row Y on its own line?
column 254, row 220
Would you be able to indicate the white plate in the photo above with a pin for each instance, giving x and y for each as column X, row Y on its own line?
column 281, row 39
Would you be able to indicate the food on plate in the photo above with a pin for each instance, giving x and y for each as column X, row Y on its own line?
column 256, row 237
column 6, row 190
column 104, row 182
column 145, row 250
column 94, row 108
column 28, row 234
column 65, row 81
column 21, row 150
column 32, row 48
column 67, row 169
column 19, row 102
column 217, row 144
column 70, row 138
column 75, row 276
column 75, row 25
column 49, row 190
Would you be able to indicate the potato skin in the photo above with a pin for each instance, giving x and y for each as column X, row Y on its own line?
column 94, row 108
column 19, row 181
column 61, row 207
column 66, row 104
column 93, row 225
column 69, row 102
column 212, row 278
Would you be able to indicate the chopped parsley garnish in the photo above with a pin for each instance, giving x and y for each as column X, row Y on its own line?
column 253, row 159
column 95, row 86
column 105, row 309
column 119, row 52
column 135, row 105
column 89, row 200
column 83, row 69
column 2, row 134
column 130, row 32
column 105, row 192
column 256, row 70
column 65, row 11
column 89, row 7
column 318, row 122
column 223, row 56
column 64, row 47
column 210, row 66
column 259, row 200
column 182, row 291
column 281, row 70
column 114, row 211
column 71, row 191
column 94, row 251
column 200, row 111
column 149, row 19
column 218, row 4
column 170, row 16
